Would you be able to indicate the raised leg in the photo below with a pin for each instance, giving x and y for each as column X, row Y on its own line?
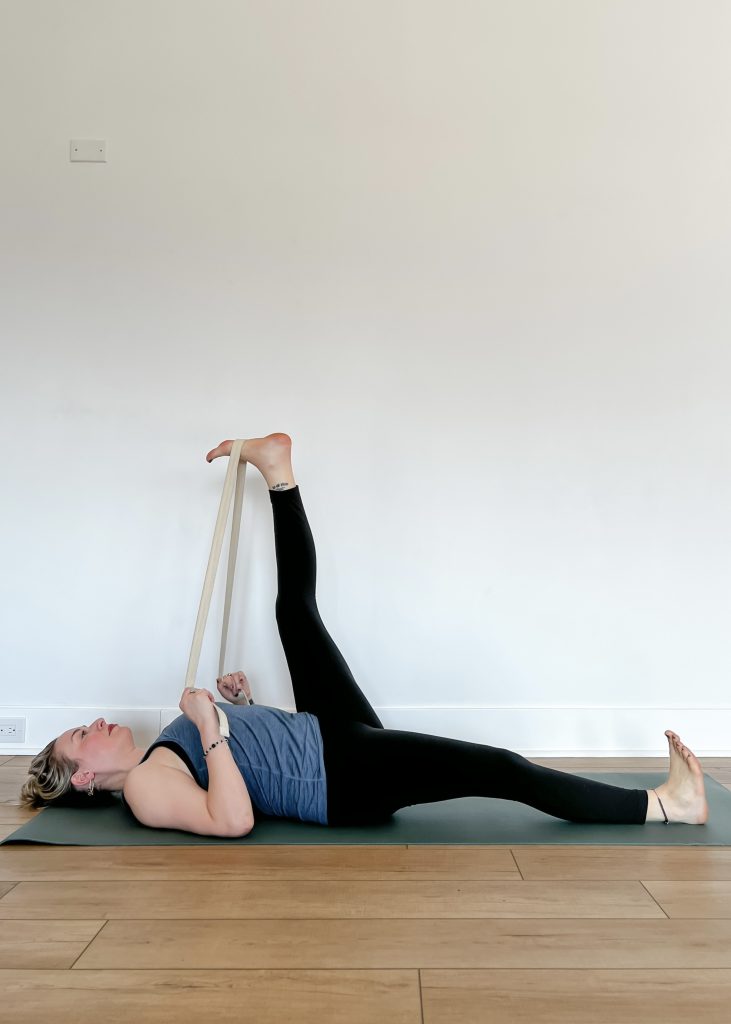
column 321, row 680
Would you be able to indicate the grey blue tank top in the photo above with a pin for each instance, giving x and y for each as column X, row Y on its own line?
column 279, row 754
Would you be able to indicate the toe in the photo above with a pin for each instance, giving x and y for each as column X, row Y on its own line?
column 224, row 448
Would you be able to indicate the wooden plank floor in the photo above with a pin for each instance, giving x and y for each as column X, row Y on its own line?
column 387, row 934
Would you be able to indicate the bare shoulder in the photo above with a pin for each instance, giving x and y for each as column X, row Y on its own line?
column 164, row 797
column 153, row 782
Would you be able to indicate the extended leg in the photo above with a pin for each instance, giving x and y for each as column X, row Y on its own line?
column 373, row 772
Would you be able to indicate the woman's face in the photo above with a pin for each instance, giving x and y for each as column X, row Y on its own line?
column 98, row 747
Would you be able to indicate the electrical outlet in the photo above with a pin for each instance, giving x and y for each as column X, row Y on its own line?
column 12, row 730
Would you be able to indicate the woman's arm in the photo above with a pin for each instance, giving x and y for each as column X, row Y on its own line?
column 164, row 797
column 228, row 800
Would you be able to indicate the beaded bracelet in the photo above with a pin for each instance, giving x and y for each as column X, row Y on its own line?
column 207, row 752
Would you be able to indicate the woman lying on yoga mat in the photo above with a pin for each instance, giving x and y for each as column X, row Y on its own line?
column 332, row 761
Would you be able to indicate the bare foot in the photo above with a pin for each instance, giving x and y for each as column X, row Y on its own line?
column 257, row 449
column 271, row 455
column 684, row 794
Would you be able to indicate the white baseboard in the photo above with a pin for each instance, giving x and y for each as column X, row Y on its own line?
column 536, row 732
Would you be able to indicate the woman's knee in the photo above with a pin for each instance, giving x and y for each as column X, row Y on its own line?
column 511, row 760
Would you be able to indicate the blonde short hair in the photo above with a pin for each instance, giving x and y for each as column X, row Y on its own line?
column 49, row 782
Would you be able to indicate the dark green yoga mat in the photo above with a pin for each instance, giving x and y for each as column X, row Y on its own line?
column 469, row 820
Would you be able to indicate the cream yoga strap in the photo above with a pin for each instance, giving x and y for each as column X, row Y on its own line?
column 236, row 473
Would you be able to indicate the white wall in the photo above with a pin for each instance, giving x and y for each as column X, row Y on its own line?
column 474, row 257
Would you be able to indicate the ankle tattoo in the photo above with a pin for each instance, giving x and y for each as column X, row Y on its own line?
column 279, row 487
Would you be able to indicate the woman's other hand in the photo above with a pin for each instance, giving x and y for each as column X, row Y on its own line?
column 198, row 706
column 235, row 688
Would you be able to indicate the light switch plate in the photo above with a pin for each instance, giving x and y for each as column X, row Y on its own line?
column 89, row 151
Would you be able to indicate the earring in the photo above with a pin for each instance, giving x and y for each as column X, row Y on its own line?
column 90, row 791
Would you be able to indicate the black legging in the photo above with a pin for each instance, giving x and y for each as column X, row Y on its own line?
column 371, row 771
